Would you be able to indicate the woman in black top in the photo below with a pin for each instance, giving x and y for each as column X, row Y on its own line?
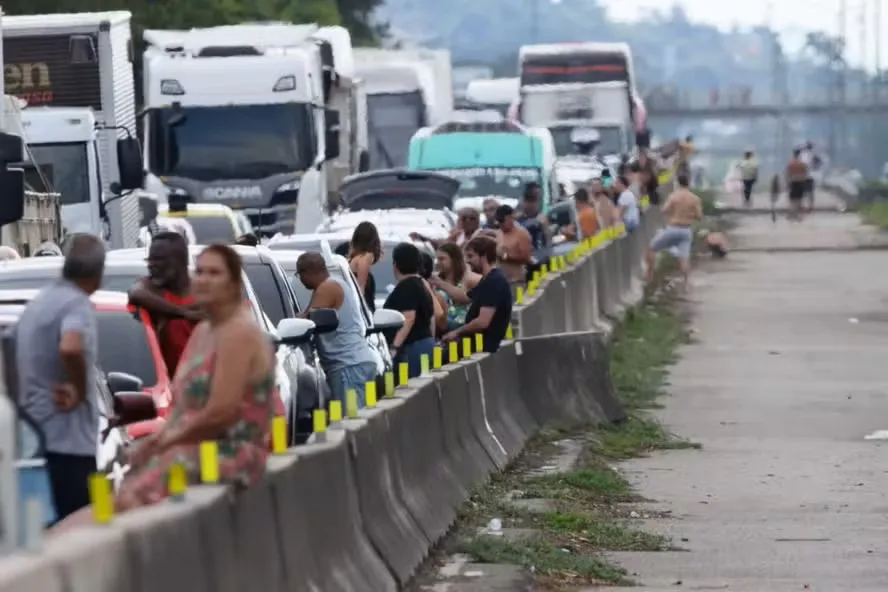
column 365, row 250
column 413, row 300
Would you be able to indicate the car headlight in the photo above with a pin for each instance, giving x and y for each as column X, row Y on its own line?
column 177, row 191
column 291, row 186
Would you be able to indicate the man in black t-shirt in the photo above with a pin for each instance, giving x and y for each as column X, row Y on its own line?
column 491, row 308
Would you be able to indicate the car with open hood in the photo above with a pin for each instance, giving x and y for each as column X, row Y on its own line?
column 394, row 189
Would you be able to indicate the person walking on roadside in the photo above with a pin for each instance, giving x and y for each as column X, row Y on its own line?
column 749, row 175
column 627, row 204
column 491, row 308
column 808, row 157
column 681, row 210
column 166, row 295
column 797, row 181
column 344, row 353
column 56, row 347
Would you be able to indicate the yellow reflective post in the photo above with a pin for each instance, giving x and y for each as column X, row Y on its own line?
column 437, row 355
column 278, row 434
column 536, row 276
column 370, row 393
column 424, row 364
column 479, row 342
column 545, row 270
column 177, row 480
column 209, row 460
column 403, row 376
column 389, row 383
column 509, row 331
column 561, row 262
column 453, row 353
column 100, row 498
column 467, row 346
column 519, row 294
column 335, row 411
column 351, row 403
column 319, row 421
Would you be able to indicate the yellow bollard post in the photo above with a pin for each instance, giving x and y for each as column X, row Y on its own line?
column 519, row 295
column 100, row 498
column 209, row 460
column 389, row 383
column 536, row 276
column 403, row 374
column 467, row 347
column 319, row 421
column 437, row 355
column 424, row 365
column 278, row 434
column 453, row 352
column 177, row 480
column 335, row 411
column 545, row 270
column 370, row 393
column 509, row 331
column 479, row 342
column 351, row 403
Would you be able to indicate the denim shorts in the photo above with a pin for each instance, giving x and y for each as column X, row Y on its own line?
column 412, row 354
column 350, row 377
column 677, row 239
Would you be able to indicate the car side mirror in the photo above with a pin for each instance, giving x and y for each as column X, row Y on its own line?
column 120, row 382
column 385, row 319
column 129, row 163
column 133, row 407
column 326, row 320
column 294, row 331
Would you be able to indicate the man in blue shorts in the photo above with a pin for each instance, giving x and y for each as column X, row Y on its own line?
column 681, row 210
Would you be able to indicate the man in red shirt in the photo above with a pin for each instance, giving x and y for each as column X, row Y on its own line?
column 166, row 295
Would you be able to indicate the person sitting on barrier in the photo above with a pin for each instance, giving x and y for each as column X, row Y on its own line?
column 166, row 295
column 411, row 298
column 365, row 251
column 515, row 246
column 491, row 310
column 587, row 218
column 681, row 210
column 453, row 281
column 426, row 271
column 344, row 353
column 224, row 391
column 627, row 204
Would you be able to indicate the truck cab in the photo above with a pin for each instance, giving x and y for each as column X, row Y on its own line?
column 239, row 120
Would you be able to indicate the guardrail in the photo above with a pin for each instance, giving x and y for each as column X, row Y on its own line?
column 359, row 508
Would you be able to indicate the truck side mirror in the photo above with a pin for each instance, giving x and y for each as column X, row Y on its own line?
column 331, row 138
column 12, row 180
column 129, row 163
column 364, row 161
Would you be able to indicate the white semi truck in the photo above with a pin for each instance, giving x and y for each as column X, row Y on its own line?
column 78, row 67
column 494, row 93
column 237, row 116
column 568, row 86
column 406, row 91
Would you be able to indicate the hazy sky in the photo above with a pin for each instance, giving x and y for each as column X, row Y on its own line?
column 784, row 15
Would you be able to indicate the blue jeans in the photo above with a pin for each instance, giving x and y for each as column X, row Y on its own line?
column 412, row 354
column 350, row 377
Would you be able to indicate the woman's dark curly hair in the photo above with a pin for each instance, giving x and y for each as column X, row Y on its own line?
column 365, row 239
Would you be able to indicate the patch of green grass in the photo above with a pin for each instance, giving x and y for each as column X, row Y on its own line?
column 637, row 435
column 604, row 532
column 543, row 557
column 599, row 483
column 875, row 213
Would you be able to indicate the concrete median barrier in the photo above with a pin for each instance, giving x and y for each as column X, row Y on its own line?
column 361, row 507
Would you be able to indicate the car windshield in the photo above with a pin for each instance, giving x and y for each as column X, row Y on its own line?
column 392, row 121
column 483, row 181
column 267, row 291
column 60, row 168
column 231, row 141
column 212, row 229
column 123, row 345
column 611, row 140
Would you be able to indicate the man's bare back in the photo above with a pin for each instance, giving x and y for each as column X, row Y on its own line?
column 682, row 208
column 515, row 249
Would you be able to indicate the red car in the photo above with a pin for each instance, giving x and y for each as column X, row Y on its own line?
column 127, row 343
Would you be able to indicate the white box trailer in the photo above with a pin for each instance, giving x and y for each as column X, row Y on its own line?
column 80, row 60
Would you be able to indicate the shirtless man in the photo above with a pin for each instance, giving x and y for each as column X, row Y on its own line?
column 469, row 223
column 797, row 180
column 515, row 247
column 604, row 206
column 681, row 210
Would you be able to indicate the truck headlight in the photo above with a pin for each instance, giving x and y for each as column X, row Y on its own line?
column 291, row 186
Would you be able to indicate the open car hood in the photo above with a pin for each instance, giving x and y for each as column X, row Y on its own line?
column 396, row 189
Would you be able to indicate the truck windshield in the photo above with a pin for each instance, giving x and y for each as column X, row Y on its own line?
column 231, row 141
column 483, row 181
column 392, row 120
column 60, row 168
column 611, row 140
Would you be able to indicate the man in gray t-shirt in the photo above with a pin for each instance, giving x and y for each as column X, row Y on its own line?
column 56, row 349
